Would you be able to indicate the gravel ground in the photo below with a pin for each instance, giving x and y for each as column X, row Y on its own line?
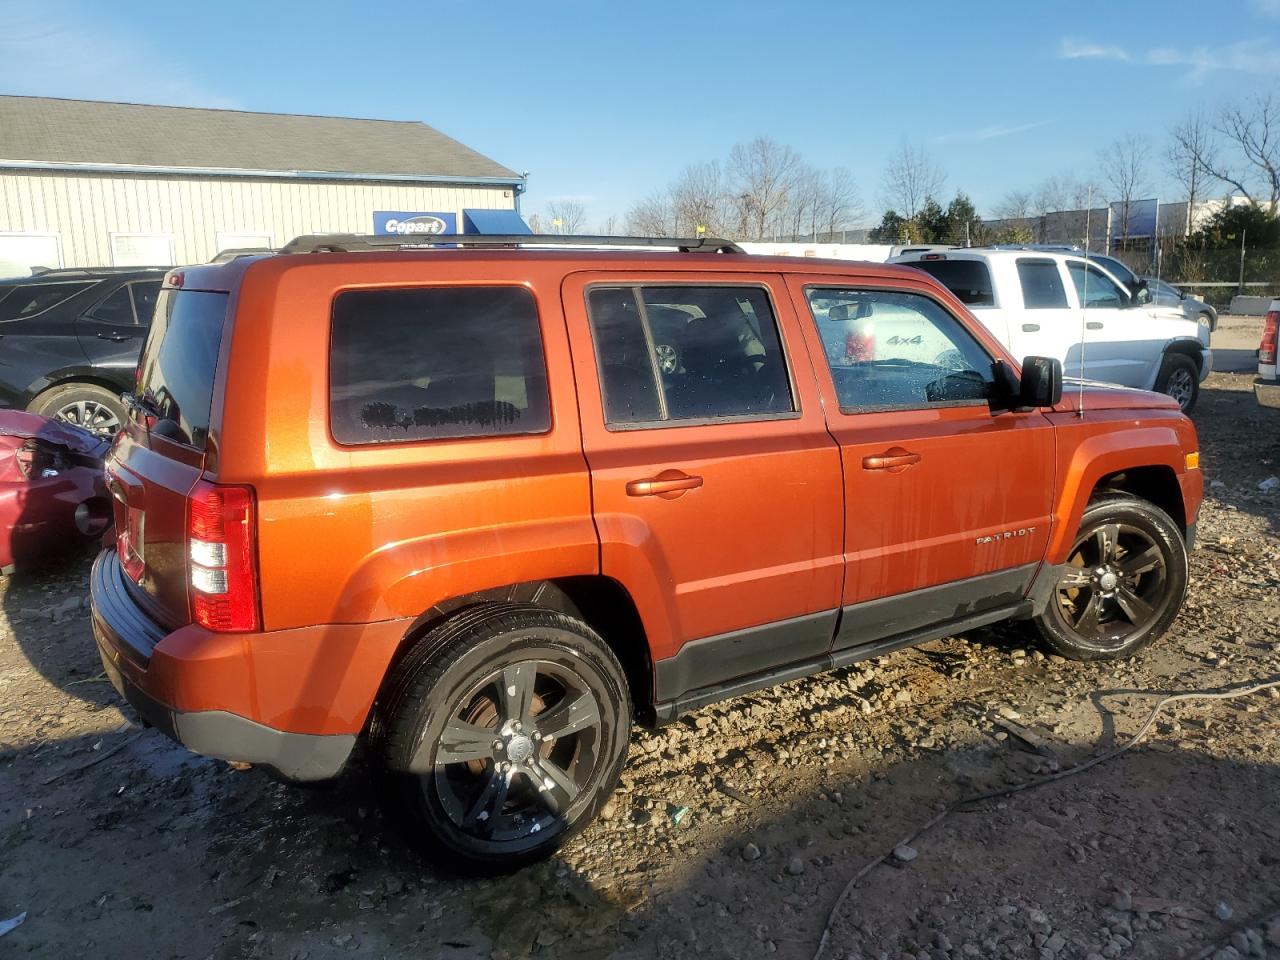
column 736, row 828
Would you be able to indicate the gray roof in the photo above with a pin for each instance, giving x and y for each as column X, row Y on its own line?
column 46, row 130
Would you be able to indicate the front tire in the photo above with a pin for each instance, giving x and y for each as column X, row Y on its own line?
column 1179, row 378
column 504, row 731
column 1123, row 583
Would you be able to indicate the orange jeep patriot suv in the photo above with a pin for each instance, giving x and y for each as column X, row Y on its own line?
column 485, row 505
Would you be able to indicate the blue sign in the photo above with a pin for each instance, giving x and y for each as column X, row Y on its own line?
column 408, row 223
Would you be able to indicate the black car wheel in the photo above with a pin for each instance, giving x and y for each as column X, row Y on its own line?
column 503, row 732
column 1179, row 378
column 1122, row 585
column 86, row 405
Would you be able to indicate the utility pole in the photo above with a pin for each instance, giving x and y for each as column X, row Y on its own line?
column 1242, row 236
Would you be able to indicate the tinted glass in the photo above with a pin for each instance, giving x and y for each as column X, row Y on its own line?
column 144, row 299
column 435, row 363
column 1042, row 287
column 969, row 280
column 1117, row 269
column 180, row 361
column 688, row 353
column 897, row 350
column 116, row 309
column 1095, row 289
column 28, row 299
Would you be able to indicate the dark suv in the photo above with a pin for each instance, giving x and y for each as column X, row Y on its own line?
column 70, row 339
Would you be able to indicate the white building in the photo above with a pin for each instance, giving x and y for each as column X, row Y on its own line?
column 85, row 183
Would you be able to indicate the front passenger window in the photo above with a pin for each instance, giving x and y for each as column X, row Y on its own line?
column 1093, row 287
column 890, row 350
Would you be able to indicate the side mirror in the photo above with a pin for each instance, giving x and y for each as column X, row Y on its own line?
column 1141, row 296
column 1041, row 384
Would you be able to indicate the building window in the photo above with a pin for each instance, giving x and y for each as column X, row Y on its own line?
column 243, row 241
column 20, row 252
column 142, row 249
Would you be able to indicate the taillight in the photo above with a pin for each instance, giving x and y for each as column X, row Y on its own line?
column 1270, row 333
column 221, row 527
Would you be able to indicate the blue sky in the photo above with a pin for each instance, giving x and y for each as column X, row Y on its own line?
column 606, row 102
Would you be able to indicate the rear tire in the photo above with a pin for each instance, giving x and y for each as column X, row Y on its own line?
column 86, row 405
column 503, row 732
column 1123, row 583
column 1179, row 378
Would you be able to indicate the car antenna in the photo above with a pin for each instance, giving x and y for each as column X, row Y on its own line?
column 1084, row 297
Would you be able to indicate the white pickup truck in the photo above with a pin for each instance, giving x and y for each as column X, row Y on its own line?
column 1050, row 304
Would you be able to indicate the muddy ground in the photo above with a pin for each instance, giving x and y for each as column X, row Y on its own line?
column 736, row 828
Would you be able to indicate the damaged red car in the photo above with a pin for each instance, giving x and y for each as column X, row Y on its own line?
column 53, row 493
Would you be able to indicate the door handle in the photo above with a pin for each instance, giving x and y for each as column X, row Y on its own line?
column 668, row 485
column 895, row 460
column 1093, row 325
column 114, row 337
column 1031, row 328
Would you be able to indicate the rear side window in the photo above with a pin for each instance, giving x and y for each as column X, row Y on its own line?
column 969, row 280
column 144, row 299
column 1042, row 287
column 436, row 363
column 116, row 309
column 688, row 353
column 180, row 362
column 29, row 299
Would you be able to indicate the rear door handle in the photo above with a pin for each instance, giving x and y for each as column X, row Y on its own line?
column 114, row 337
column 1031, row 328
column 668, row 485
column 895, row 460
column 1093, row 325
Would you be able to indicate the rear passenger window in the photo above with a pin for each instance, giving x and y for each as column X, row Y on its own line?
column 436, row 363
column 688, row 353
column 1042, row 287
column 116, row 309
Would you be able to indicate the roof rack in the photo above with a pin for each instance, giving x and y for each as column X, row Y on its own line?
column 354, row 242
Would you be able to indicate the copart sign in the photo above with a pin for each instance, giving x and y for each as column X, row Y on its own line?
column 407, row 223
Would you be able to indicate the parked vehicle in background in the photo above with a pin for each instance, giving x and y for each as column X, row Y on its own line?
column 538, row 526
column 1044, row 303
column 1267, row 387
column 53, row 494
column 70, row 339
column 1117, row 268
column 1167, row 295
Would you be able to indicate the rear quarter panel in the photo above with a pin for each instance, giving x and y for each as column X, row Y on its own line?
column 356, row 534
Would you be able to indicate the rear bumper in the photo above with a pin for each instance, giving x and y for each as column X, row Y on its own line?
column 1267, row 392
column 291, row 700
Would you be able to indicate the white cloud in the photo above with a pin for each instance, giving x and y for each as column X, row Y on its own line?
column 991, row 132
column 1072, row 49
column 67, row 54
column 1267, row 8
column 1260, row 56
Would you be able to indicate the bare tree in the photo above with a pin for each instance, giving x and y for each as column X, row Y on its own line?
column 535, row 222
column 1124, row 167
column 1251, row 130
column 700, row 197
column 609, row 226
column 1190, row 153
column 566, row 216
column 654, row 216
column 764, row 173
column 838, row 204
column 802, row 202
column 1016, row 205
column 911, row 178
